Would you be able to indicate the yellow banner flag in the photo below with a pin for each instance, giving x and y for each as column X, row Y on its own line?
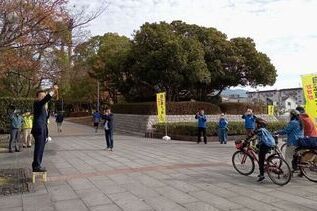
column 310, row 92
column 270, row 110
column 161, row 107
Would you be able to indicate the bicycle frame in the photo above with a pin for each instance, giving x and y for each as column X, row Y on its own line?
column 250, row 152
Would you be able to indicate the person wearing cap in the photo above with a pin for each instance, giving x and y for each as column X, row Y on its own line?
column 202, row 125
column 294, row 131
column 223, row 129
column 265, row 143
column 309, row 126
column 249, row 122
column 15, row 130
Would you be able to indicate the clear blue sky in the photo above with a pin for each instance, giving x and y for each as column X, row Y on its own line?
column 283, row 29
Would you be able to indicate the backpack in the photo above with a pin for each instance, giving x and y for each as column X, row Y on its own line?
column 266, row 138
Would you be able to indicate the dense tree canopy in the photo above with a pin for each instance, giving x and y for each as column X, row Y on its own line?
column 185, row 60
column 177, row 58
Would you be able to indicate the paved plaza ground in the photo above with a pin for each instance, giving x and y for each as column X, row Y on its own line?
column 146, row 174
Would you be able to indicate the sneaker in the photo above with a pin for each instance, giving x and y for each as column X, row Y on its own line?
column 261, row 178
column 111, row 149
column 17, row 150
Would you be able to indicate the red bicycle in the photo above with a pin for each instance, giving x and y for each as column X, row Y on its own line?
column 244, row 159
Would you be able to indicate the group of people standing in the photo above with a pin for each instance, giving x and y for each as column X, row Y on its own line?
column 107, row 119
column 20, row 123
column 34, row 126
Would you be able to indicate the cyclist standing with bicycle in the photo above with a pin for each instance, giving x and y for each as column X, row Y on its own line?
column 294, row 131
column 265, row 143
column 309, row 126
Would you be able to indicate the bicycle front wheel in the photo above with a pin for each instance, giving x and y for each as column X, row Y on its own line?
column 278, row 170
column 283, row 148
column 243, row 163
column 308, row 165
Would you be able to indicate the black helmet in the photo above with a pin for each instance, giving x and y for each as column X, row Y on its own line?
column 261, row 121
column 294, row 112
column 300, row 109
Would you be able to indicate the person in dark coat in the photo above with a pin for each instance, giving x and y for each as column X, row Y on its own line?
column 39, row 129
column 108, row 126
column 59, row 121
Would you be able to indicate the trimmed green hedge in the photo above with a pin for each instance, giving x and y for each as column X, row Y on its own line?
column 240, row 108
column 6, row 107
column 190, row 128
column 173, row 108
column 184, row 108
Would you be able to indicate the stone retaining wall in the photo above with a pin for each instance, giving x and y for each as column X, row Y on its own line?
column 144, row 123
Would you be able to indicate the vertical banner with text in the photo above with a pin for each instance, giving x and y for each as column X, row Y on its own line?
column 310, row 92
column 161, row 107
column 270, row 110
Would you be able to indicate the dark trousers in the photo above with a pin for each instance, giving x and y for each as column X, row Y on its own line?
column 263, row 150
column 223, row 135
column 249, row 132
column 40, row 141
column 202, row 132
column 14, row 139
column 109, row 138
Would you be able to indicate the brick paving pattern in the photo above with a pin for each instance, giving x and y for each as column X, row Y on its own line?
column 147, row 174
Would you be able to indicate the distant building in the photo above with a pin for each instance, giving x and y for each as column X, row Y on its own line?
column 234, row 98
column 284, row 99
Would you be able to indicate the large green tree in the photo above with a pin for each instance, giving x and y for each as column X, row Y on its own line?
column 177, row 58
column 103, row 58
column 230, row 62
column 167, row 61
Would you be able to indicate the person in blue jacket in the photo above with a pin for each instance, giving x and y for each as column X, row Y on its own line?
column 249, row 122
column 202, row 125
column 96, row 117
column 294, row 131
column 15, row 130
column 223, row 129
column 265, row 143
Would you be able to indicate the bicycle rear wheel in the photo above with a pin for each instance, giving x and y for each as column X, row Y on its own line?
column 243, row 163
column 308, row 165
column 278, row 170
